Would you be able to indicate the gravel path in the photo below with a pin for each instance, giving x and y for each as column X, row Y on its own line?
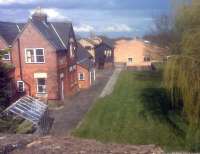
column 75, row 107
column 111, row 83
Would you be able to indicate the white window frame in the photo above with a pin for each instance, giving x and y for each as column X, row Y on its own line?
column 8, row 56
column 79, row 76
column 23, row 89
column 34, row 54
column 44, row 92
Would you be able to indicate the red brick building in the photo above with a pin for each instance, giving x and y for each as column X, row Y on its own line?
column 85, row 68
column 44, row 55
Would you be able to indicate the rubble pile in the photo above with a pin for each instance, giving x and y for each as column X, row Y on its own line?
column 29, row 144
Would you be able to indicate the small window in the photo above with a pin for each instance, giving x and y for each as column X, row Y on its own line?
column 81, row 76
column 130, row 60
column 6, row 56
column 41, row 85
column 20, row 86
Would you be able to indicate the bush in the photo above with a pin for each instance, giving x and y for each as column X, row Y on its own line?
column 25, row 127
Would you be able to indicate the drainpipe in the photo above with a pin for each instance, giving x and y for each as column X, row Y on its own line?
column 20, row 63
column 20, row 67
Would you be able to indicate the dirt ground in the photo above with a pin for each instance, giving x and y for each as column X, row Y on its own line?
column 75, row 107
column 23, row 144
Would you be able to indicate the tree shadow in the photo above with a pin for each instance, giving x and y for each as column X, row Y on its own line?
column 158, row 105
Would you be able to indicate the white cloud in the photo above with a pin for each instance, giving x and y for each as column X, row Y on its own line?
column 8, row 2
column 118, row 28
column 84, row 28
column 53, row 14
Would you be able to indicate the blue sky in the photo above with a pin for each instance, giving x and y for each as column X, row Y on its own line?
column 109, row 17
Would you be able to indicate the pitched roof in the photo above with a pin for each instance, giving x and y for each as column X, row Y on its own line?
column 9, row 31
column 63, row 29
column 57, row 33
column 83, row 56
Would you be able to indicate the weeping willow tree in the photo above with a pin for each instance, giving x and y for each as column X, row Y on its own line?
column 182, row 72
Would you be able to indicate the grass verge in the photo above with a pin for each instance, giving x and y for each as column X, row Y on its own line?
column 137, row 112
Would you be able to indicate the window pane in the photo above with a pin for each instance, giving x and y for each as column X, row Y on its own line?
column 81, row 76
column 41, row 89
column 20, row 86
column 39, row 52
column 41, row 85
column 29, row 55
column 40, row 59
column 6, row 56
column 41, row 81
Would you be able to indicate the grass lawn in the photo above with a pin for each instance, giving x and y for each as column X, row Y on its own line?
column 137, row 112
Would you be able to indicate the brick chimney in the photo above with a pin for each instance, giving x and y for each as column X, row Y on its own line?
column 39, row 15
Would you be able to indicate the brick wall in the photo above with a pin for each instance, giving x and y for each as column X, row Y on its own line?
column 31, row 38
column 86, row 82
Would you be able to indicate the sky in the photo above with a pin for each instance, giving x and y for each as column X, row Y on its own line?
column 114, row 18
